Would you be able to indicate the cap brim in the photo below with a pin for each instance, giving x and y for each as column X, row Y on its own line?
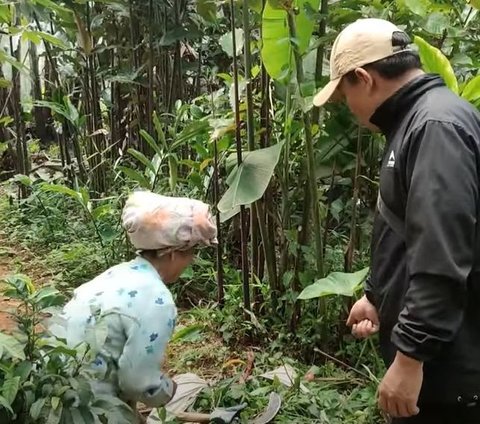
column 326, row 93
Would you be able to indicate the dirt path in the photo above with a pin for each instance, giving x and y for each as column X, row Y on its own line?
column 16, row 259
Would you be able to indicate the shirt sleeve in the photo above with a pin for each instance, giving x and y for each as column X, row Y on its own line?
column 440, row 224
column 148, row 331
column 368, row 289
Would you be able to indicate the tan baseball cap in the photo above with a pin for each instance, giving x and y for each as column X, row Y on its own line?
column 360, row 43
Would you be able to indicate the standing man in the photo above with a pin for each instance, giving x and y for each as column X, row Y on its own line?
column 424, row 291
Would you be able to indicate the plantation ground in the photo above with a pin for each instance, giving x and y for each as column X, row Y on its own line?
column 335, row 394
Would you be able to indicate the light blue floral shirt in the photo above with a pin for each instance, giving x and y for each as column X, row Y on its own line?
column 138, row 314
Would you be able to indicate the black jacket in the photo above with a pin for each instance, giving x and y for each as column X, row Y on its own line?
column 426, row 284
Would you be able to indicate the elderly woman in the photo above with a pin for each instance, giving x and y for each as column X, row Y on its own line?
column 132, row 298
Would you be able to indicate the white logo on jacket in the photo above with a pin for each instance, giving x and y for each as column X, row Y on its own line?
column 391, row 160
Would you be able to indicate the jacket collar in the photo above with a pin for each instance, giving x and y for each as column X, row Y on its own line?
column 391, row 111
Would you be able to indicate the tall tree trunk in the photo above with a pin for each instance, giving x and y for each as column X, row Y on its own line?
column 96, row 140
column 23, row 166
column 38, row 112
column 238, row 139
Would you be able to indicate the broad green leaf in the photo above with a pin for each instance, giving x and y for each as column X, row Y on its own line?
column 135, row 176
column 142, row 158
column 57, row 188
column 56, row 107
column 5, row 57
column 157, row 163
column 82, row 416
column 47, row 297
column 45, row 36
column 6, row 405
column 225, row 216
column 99, row 211
column 159, row 130
column 276, row 46
column 21, row 286
column 23, row 179
column 36, row 408
column 189, row 333
column 55, row 414
column 5, row 14
column 49, row 4
column 44, row 293
column 73, row 114
column 55, row 402
column 419, row 7
column 32, row 36
column 6, row 120
column 190, row 131
column 339, row 283
column 248, row 182
column 434, row 61
column 471, row 92
column 12, row 346
column 436, row 23
column 151, row 142
column 207, row 9
column 172, row 171
column 10, row 389
column 23, row 370
column 226, row 41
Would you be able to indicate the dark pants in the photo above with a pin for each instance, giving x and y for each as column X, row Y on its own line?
column 439, row 414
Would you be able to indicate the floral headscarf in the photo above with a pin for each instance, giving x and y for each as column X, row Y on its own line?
column 156, row 222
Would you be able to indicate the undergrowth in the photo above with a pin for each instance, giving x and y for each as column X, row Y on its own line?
column 342, row 383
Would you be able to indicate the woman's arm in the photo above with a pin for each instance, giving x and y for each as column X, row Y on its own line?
column 148, row 331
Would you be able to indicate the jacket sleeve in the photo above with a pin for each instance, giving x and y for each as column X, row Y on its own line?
column 139, row 367
column 368, row 289
column 440, row 225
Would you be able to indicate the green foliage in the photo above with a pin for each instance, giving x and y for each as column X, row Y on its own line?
column 276, row 45
column 339, row 283
column 248, row 182
column 42, row 379
column 471, row 91
column 165, row 149
column 317, row 394
column 435, row 62
column 142, row 93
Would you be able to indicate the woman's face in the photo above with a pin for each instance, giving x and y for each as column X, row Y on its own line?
column 178, row 261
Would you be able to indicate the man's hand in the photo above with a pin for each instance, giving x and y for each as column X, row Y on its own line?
column 363, row 319
column 399, row 390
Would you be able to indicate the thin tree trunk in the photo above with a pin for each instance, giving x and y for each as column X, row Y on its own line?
column 243, row 223
column 349, row 256
column 254, row 230
column 320, row 55
column 38, row 112
column 307, row 125
column 150, row 69
column 15, row 109
column 219, row 263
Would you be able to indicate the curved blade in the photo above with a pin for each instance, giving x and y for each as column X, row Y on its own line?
column 274, row 404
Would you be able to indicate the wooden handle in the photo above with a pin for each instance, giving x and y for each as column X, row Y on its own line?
column 193, row 417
